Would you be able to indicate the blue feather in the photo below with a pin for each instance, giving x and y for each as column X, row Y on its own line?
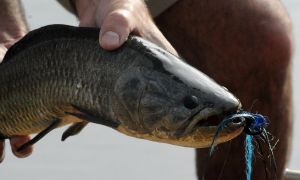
column 249, row 156
column 255, row 124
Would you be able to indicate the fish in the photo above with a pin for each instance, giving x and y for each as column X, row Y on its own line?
column 58, row 75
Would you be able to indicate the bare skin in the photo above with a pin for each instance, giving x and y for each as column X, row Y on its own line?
column 244, row 45
column 247, row 46
column 12, row 27
column 116, row 18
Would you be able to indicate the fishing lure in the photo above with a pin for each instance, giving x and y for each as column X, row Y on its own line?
column 254, row 126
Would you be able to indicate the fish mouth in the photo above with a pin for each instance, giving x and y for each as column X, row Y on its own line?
column 204, row 125
column 199, row 133
column 205, row 117
column 213, row 120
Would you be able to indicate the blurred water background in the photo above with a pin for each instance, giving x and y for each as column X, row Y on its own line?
column 101, row 153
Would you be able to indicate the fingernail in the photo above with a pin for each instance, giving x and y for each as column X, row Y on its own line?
column 110, row 38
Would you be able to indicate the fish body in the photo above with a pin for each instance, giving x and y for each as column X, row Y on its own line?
column 58, row 75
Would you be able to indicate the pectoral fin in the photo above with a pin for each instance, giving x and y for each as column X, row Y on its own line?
column 40, row 135
column 90, row 117
column 74, row 129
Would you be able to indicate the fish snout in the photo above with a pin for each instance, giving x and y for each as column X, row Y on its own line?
column 210, row 110
column 224, row 102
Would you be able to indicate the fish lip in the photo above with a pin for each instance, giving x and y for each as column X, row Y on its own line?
column 203, row 114
column 191, row 121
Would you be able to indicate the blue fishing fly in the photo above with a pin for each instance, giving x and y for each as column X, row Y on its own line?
column 254, row 125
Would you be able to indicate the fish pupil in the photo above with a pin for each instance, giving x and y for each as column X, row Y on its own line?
column 190, row 102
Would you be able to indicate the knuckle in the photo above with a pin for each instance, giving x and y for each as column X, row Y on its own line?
column 122, row 17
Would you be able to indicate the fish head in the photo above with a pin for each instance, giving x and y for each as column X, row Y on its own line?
column 168, row 100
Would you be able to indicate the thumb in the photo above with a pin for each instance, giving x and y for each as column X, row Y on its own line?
column 115, row 29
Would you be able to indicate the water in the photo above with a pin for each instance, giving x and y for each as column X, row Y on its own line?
column 101, row 153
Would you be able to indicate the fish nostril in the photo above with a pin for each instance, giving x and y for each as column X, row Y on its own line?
column 190, row 102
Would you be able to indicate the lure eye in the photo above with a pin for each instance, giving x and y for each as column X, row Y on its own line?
column 190, row 102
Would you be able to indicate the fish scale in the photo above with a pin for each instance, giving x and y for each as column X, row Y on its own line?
column 58, row 74
column 34, row 87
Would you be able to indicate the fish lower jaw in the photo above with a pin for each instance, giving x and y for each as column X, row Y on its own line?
column 202, row 137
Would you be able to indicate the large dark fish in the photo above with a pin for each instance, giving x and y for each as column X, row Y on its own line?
column 58, row 74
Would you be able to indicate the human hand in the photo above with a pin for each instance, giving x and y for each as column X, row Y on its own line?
column 15, row 141
column 117, row 19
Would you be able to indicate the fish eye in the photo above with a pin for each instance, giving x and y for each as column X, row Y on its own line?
column 190, row 102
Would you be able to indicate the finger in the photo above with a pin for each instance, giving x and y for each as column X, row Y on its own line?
column 115, row 29
column 87, row 19
column 18, row 141
column 3, row 50
column 154, row 35
column 2, row 150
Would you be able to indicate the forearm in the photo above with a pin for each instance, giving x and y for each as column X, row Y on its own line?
column 12, row 20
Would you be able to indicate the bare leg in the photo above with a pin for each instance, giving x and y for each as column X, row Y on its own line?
column 246, row 46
